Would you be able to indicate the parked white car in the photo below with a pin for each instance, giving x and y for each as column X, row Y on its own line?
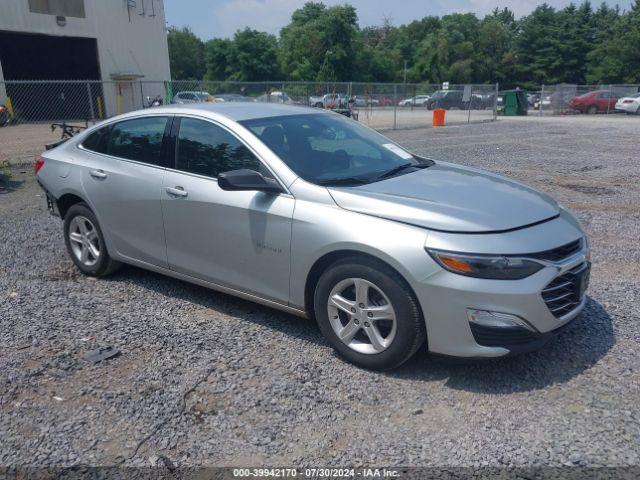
column 417, row 101
column 182, row 98
column 630, row 104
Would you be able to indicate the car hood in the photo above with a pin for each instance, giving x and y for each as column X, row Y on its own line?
column 450, row 198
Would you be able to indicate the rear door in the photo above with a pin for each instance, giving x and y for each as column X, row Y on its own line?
column 239, row 239
column 122, row 172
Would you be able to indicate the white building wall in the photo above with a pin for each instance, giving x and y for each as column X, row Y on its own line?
column 128, row 42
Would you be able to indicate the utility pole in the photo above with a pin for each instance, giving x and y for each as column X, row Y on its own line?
column 405, row 70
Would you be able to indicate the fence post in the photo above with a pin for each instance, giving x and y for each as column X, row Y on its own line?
column 395, row 106
column 93, row 114
column 541, row 98
column 609, row 99
column 495, row 102
column 469, row 107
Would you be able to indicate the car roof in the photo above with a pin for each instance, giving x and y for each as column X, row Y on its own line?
column 237, row 111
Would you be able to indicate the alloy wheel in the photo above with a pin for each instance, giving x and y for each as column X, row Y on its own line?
column 84, row 240
column 362, row 316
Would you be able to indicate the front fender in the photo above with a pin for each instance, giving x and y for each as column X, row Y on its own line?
column 319, row 230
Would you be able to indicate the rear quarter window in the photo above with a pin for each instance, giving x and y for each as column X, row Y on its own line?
column 97, row 141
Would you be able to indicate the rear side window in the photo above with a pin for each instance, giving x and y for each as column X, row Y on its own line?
column 139, row 139
column 207, row 149
column 98, row 140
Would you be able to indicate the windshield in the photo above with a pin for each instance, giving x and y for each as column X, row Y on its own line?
column 332, row 149
column 202, row 96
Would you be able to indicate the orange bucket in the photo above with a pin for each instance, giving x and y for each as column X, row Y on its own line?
column 438, row 117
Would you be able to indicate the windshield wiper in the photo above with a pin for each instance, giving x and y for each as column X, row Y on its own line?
column 345, row 181
column 398, row 169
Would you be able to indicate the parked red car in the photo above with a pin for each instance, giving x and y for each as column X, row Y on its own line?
column 594, row 102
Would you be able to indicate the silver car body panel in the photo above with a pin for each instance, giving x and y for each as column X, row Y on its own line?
column 449, row 197
column 263, row 246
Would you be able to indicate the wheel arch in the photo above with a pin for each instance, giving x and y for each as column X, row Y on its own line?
column 329, row 258
column 67, row 200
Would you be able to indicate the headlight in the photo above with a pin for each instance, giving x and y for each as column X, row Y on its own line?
column 493, row 267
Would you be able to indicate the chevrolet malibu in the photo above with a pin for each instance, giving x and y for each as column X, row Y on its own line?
column 312, row 213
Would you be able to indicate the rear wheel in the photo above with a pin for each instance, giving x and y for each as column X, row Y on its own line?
column 368, row 314
column 85, row 242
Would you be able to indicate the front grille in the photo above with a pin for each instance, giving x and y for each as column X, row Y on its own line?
column 565, row 292
column 501, row 337
column 559, row 253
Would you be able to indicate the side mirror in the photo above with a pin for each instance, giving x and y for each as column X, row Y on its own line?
column 245, row 179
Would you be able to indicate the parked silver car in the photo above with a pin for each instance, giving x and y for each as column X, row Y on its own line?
column 192, row 97
column 315, row 214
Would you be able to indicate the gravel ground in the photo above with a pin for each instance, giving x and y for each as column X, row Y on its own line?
column 207, row 379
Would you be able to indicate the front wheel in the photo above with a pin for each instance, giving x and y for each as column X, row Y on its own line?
column 85, row 242
column 368, row 314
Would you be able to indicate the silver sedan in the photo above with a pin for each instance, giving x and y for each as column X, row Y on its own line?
column 312, row 213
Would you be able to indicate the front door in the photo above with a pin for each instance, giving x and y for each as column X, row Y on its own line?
column 237, row 239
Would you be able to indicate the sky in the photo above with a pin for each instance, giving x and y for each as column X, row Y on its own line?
column 221, row 18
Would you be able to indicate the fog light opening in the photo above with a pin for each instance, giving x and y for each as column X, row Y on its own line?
column 487, row 318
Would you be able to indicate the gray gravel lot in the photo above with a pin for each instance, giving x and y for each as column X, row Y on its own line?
column 207, row 379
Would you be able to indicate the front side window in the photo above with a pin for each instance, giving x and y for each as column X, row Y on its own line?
column 138, row 139
column 208, row 149
column 331, row 149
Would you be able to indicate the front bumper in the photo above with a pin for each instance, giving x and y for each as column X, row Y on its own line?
column 445, row 298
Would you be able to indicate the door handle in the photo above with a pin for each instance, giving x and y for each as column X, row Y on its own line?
column 97, row 174
column 176, row 191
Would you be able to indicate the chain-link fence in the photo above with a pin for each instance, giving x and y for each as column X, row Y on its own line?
column 590, row 99
column 382, row 106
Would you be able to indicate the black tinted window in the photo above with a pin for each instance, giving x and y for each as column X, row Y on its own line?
column 326, row 149
column 207, row 149
column 97, row 141
column 138, row 139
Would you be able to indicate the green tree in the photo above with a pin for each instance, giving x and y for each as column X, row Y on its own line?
column 319, row 43
column 447, row 54
column 493, row 50
column 253, row 56
column 616, row 55
column 576, row 44
column 217, row 53
column 186, row 54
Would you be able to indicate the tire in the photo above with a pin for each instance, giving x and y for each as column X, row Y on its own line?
column 400, row 330
column 638, row 110
column 592, row 109
column 88, row 244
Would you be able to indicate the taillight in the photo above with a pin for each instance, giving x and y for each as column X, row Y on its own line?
column 2, row 108
column 39, row 164
column 627, row 101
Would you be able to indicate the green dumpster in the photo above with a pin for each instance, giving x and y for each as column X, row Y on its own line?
column 512, row 103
